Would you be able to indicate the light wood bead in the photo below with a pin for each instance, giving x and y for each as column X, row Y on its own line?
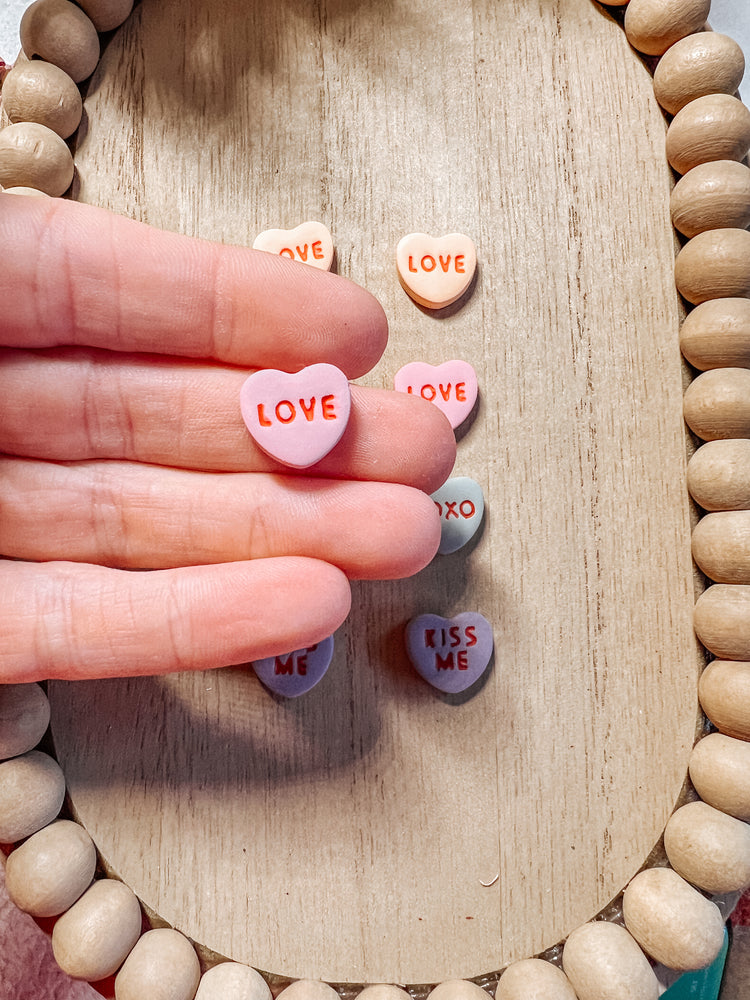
column 722, row 621
column 51, row 870
column 162, row 966
column 32, row 789
column 604, row 962
column 33, row 155
column 37, row 91
column 714, row 265
column 24, row 717
column 721, row 546
column 724, row 694
column 720, row 772
column 232, row 981
column 107, row 14
column 718, row 475
column 714, row 127
column 713, row 195
column 672, row 921
column 534, row 979
column 59, row 32
column 716, row 334
column 308, row 989
column 31, row 192
column 716, row 404
column 383, row 991
column 458, row 989
column 708, row 848
column 94, row 937
column 703, row 63
column 653, row 25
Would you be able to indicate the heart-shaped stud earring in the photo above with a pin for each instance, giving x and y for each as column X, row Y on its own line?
column 451, row 654
column 460, row 503
column 296, row 418
column 436, row 270
column 451, row 386
column 311, row 243
column 295, row 673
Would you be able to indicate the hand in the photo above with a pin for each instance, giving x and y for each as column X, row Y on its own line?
column 122, row 353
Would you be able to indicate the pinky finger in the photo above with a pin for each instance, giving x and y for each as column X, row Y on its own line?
column 73, row 621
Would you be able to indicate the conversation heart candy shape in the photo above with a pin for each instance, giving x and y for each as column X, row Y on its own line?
column 451, row 654
column 436, row 270
column 310, row 243
column 452, row 386
column 296, row 418
column 460, row 504
column 293, row 674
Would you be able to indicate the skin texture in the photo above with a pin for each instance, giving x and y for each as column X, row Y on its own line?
column 122, row 352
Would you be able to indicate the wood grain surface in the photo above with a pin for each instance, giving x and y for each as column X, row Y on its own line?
column 346, row 835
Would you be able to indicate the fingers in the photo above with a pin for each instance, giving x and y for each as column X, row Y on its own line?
column 77, row 621
column 75, row 274
column 75, row 405
column 136, row 517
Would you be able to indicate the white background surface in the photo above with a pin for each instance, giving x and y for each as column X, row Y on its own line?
column 729, row 16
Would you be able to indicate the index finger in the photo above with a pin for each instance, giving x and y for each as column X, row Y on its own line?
column 76, row 274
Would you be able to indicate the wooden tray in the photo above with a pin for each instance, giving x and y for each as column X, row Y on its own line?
column 346, row 836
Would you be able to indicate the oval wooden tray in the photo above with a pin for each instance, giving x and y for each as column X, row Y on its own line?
column 346, row 836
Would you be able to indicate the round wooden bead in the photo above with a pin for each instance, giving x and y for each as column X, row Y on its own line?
column 722, row 621
column 604, row 962
column 716, row 404
column 32, row 789
column 534, row 979
column 37, row 91
column 94, row 937
column 653, row 25
column 59, row 32
column 724, row 694
column 703, row 63
column 714, row 127
column 107, row 14
column 716, row 334
column 713, row 195
column 232, row 981
column 721, row 546
column 32, row 155
column 162, row 966
column 52, row 869
column 308, row 989
column 708, row 848
column 714, row 265
column 720, row 773
column 24, row 717
column 718, row 475
column 671, row 920
column 458, row 989
column 383, row 991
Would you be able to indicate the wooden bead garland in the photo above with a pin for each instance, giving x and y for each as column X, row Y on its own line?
column 694, row 67
column 714, row 265
column 714, row 127
column 713, row 195
column 724, row 694
column 52, row 869
column 703, row 63
column 720, row 773
column 671, row 921
column 653, row 25
column 162, row 966
column 710, row 849
column 716, row 334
